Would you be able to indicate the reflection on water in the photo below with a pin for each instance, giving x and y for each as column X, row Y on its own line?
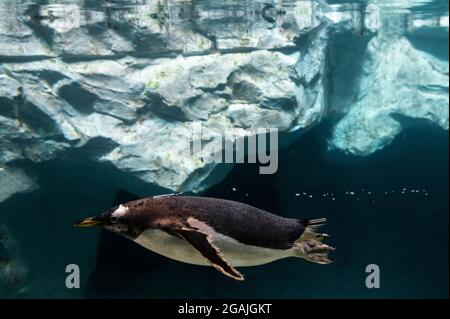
column 163, row 15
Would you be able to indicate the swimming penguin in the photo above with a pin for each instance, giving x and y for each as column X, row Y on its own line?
column 216, row 232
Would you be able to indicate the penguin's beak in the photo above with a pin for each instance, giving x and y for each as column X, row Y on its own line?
column 88, row 222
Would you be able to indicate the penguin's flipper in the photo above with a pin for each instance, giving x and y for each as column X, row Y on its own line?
column 203, row 243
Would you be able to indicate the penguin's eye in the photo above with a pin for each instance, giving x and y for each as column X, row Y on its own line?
column 114, row 219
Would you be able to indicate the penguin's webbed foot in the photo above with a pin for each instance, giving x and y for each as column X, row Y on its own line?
column 313, row 251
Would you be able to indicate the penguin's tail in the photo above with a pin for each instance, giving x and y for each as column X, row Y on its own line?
column 312, row 229
column 310, row 244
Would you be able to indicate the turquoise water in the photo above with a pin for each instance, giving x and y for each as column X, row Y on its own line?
column 381, row 180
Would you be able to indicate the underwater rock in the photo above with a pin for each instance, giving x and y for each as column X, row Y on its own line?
column 106, row 96
column 100, row 85
column 414, row 86
column 14, row 181
column 102, row 95
column 18, row 40
column 395, row 83
column 12, row 269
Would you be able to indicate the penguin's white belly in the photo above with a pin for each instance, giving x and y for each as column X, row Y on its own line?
column 235, row 253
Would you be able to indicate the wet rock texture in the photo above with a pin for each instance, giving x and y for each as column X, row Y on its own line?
column 397, row 85
column 12, row 269
column 123, row 87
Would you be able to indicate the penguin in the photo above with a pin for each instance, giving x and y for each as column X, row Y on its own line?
column 214, row 232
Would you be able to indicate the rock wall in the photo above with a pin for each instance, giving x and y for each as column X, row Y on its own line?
column 125, row 86
column 99, row 81
column 395, row 80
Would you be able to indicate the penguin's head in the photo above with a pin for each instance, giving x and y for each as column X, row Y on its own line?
column 117, row 219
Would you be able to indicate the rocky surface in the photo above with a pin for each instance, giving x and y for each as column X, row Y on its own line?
column 127, row 85
column 13, row 181
column 12, row 269
column 122, row 86
column 394, row 82
column 414, row 86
